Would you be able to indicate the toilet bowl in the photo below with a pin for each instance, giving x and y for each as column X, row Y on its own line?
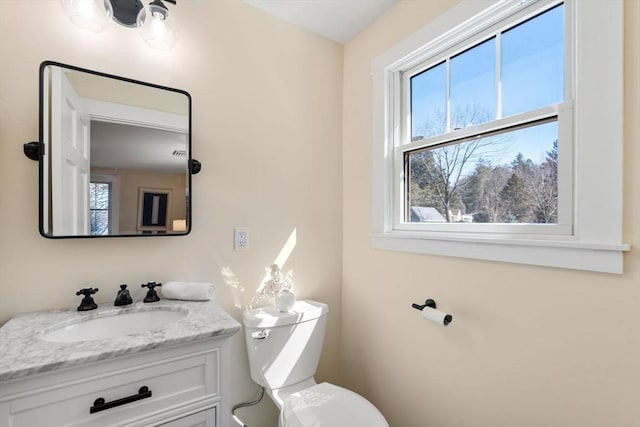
column 284, row 349
column 329, row 405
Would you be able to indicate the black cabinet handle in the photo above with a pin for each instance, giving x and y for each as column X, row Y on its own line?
column 100, row 405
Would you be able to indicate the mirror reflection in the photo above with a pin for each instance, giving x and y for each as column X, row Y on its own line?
column 116, row 155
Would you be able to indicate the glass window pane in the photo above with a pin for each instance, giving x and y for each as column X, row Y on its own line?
column 506, row 178
column 429, row 102
column 99, row 223
column 473, row 93
column 99, row 207
column 102, row 196
column 532, row 63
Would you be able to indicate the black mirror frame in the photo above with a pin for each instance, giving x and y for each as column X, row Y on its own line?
column 35, row 151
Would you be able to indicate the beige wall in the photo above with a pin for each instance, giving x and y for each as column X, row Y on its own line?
column 528, row 346
column 267, row 122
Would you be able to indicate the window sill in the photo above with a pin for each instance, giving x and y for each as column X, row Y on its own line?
column 599, row 257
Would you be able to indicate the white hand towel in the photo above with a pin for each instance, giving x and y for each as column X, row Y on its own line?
column 189, row 291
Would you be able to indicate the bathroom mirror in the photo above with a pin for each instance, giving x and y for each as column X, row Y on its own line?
column 115, row 155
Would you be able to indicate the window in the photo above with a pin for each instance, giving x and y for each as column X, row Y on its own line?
column 99, row 208
column 104, row 204
column 486, row 126
column 503, row 173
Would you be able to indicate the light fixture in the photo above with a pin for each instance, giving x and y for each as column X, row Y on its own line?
column 154, row 22
column 92, row 15
column 125, row 12
column 157, row 26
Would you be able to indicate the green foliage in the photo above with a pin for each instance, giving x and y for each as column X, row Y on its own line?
column 522, row 192
column 516, row 200
column 439, row 177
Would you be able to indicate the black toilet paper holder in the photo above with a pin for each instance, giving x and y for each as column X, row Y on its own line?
column 432, row 304
column 428, row 303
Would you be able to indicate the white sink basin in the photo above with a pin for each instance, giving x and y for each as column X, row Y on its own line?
column 112, row 325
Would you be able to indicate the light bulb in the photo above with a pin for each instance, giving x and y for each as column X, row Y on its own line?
column 92, row 15
column 157, row 27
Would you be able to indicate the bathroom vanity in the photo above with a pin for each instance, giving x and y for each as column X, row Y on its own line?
column 172, row 375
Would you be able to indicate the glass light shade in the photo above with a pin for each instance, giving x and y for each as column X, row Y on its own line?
column 157, row 27
column 92, row 15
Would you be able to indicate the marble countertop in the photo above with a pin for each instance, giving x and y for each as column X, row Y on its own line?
column 23, row 351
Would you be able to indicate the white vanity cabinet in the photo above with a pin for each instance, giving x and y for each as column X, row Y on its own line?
column 186, row 386
column 200, row 419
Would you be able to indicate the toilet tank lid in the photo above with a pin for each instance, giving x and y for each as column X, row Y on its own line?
column 268, row 317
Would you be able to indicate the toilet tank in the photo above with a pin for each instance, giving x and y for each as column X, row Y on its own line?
column 284, row 348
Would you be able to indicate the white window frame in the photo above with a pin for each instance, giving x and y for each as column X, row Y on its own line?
column 588, row 235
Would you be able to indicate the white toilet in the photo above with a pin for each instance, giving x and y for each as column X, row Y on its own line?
column 284, row 349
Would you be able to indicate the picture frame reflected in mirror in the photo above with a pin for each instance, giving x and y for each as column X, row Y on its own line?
column 154, row 209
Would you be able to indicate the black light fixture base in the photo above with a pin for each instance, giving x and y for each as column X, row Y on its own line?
column 125, row 12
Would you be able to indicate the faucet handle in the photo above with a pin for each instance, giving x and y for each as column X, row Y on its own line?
column 151, row 285
column 152, row 296
column 87, row 292
column 87, row 302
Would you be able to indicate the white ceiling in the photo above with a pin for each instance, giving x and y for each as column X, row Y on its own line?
column 119, row 146
column 338, row 20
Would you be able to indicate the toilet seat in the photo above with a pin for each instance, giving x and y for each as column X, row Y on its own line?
column 327, row 405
